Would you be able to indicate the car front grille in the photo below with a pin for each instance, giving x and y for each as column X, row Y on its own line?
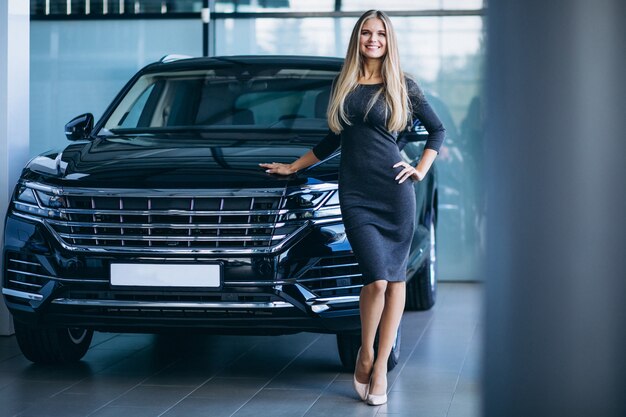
column 245, row 221
column 333, row 276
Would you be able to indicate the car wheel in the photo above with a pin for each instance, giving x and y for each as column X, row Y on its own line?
column 348, row 345
column 54, row 345
column 421, row 290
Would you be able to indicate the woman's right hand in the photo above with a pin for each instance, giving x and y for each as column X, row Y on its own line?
column 278, row 168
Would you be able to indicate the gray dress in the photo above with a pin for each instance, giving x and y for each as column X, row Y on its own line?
column 378, row 213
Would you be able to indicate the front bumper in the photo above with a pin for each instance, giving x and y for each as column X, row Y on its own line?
column 311, row 285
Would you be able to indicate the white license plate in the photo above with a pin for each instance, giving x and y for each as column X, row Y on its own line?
column 166, row 275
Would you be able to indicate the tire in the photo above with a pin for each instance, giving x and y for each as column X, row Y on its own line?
column 53, row 345
column 348, row 345
column 421, row 290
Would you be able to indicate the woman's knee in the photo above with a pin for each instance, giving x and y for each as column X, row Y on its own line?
column 378, row 286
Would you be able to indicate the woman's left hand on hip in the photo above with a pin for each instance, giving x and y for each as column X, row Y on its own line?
column 408, row 171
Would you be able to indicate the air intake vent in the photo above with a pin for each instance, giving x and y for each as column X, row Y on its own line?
column 25, row 273
column 333, row 276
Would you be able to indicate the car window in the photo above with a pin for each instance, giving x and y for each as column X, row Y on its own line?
column 131, row 118
column 282, row 98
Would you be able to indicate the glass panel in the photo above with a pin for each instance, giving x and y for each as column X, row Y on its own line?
column 319, row 36
column 389, row 5
column 131, row 118
column 272, row 98
column 73, row 71
column 259, row 6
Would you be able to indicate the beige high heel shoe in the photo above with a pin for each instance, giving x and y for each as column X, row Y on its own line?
column 373, row 399
column 376, row 399
column 361, row 389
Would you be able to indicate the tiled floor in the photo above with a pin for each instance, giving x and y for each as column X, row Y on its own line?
column 297, row 375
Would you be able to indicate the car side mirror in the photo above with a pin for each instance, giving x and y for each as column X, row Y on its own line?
column 79, row 127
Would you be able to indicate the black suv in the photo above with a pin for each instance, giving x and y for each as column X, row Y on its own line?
column 160, row 219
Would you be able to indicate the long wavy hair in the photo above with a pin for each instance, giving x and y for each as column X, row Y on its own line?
column 394, row 87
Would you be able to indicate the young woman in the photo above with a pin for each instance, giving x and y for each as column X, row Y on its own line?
column 371, row 102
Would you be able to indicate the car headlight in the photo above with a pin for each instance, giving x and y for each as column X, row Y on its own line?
column 312, row 204
column 37, row 202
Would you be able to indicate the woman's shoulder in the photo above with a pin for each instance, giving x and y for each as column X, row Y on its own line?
column 413, row 90
column 411, row 84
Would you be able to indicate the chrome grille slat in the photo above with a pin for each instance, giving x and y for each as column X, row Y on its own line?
column 24, row 262
column 348, row 287
column 327, row 278
column 169, row 238
column 177, row 212
column 170, row 225
column 28, row 284
column 30, row 274
column 333, row 266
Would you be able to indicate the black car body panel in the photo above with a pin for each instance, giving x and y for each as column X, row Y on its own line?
column 189, row 197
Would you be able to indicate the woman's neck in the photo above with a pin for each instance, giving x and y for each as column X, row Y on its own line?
column 372, row 71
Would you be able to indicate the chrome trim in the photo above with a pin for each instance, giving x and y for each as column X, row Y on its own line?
column 31, row 274
column 338, row 288
column 173, row 238
column 24, row 262
column 327, row 278
column 305, row 189
column 56, row 278
column 22, row 294
column 171, row 225
column 23, row 203
column 174, row 212
column 41, row 187
column 256, row 283
column 156, row 192
column 336, row 300
column 27, row 216
column 156, row 304
column 28, row 284
column 333, row 266
column 324, row 220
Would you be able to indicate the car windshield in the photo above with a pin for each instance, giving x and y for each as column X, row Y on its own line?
column 270, row 98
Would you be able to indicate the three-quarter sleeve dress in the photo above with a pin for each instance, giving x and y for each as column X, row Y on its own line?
column 378, row 212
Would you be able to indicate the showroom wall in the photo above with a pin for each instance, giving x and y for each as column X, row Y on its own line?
column 14, row 120
column 79, row 65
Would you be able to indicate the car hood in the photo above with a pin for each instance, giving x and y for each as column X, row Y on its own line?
column 147, row 162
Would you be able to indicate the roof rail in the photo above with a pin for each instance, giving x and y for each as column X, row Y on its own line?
column 173, row 57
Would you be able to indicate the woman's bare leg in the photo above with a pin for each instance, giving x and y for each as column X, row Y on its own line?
column 371, row 304
column 395, row 296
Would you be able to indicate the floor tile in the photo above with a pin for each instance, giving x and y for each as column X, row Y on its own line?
column 278, row 403
column 115, row 411
column 153, row 396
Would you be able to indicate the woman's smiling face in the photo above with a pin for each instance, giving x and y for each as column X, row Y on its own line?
column 373, row 39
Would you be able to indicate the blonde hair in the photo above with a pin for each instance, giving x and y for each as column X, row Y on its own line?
column 394, row 87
